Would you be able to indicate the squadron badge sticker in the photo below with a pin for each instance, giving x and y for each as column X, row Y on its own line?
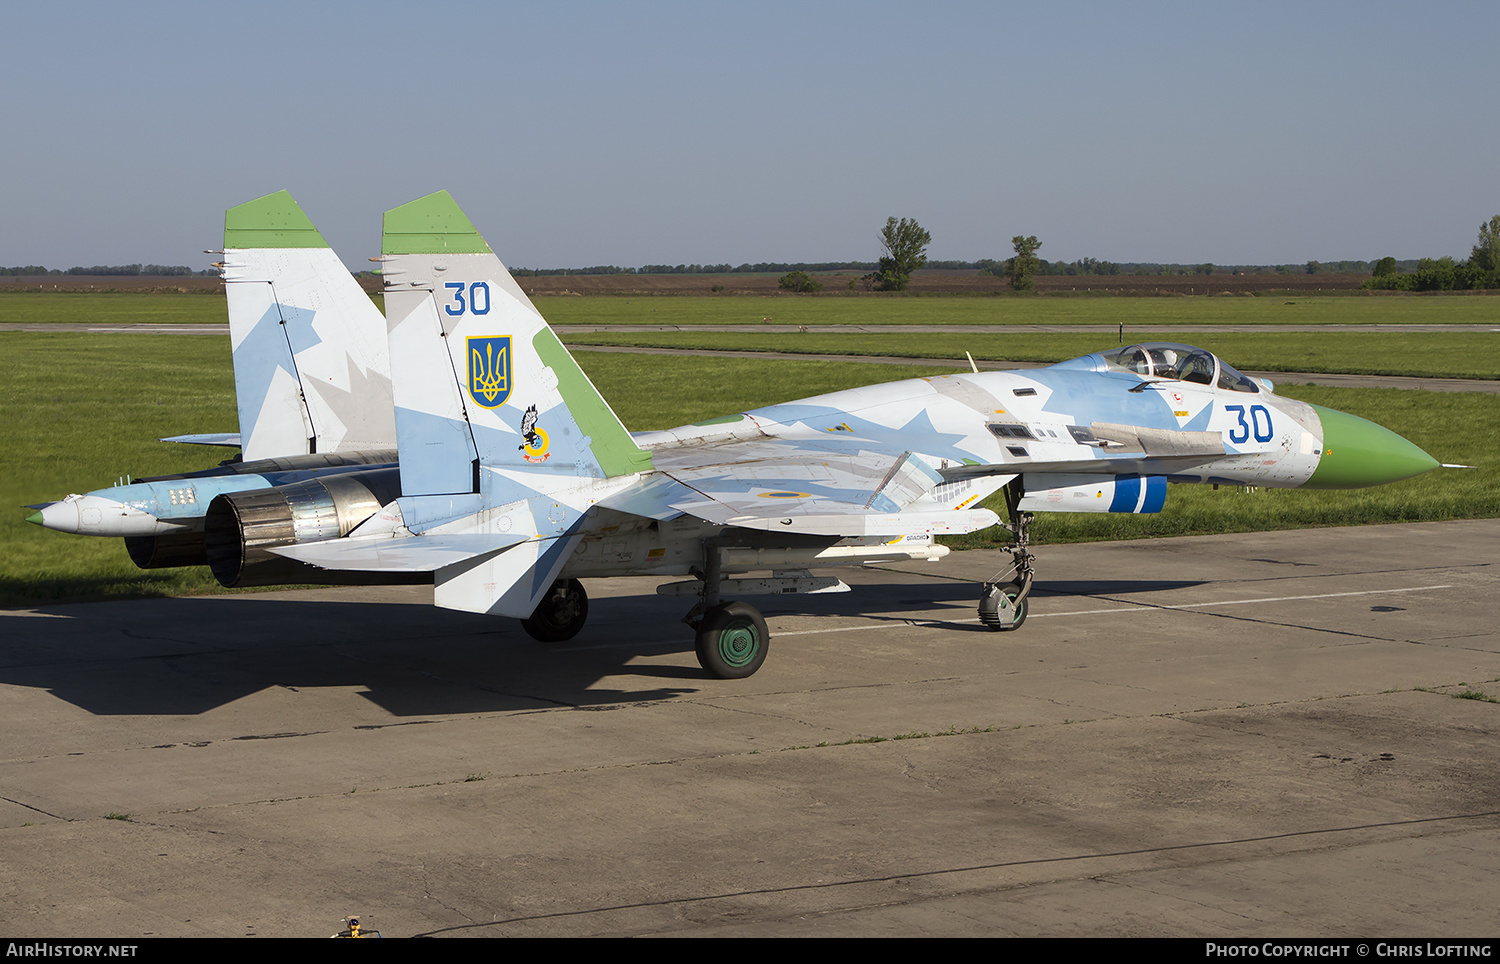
column 489, row 370
column 534, row 449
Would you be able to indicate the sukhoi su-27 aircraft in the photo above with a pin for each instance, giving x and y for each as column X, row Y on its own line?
column 517, row 480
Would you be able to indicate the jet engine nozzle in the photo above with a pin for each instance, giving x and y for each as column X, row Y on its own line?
column 241, row 527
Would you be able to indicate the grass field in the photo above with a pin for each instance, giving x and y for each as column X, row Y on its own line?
column 811, row 311
column 87, row 308
column 82, row 410
column 1428, row 354
column 208, row 309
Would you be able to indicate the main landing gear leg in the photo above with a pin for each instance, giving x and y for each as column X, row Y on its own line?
column 1002, row 601
column 732, row 638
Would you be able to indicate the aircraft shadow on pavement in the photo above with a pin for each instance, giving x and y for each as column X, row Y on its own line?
column 186, row 656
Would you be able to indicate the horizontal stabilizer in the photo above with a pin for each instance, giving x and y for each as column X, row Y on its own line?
column 226, row 439
column 423, row 553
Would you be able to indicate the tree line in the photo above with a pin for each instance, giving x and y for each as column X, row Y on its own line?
column 112, row 270
column 1480, row 270
column 905, row 243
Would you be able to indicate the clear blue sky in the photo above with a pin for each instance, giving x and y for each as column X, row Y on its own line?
column 577, row 133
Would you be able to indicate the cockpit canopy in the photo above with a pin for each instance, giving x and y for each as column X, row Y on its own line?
column 1161, row 359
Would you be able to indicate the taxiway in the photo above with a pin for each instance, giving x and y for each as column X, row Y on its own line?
column 1242, row 735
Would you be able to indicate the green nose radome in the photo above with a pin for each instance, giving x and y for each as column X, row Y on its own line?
column 1357, row 453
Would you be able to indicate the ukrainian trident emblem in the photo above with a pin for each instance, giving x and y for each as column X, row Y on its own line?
column 489, row 370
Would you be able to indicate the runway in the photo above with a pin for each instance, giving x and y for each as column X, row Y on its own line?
column 1241, row 735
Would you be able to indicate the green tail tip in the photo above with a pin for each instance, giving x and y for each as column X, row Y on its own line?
column 431, row 225
column 35, row 518
column 273, row 221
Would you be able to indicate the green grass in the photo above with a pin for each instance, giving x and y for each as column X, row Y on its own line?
column 1112, row 310
column 686, row 310
column 1426, row 354
column 93, row 308
column 83, row 409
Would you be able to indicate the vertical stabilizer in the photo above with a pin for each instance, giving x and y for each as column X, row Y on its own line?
column 493, row 416
column 488, row 401
column 311, row 369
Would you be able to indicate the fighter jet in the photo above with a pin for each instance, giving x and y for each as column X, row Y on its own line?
column 313, row 388
column 517, row 479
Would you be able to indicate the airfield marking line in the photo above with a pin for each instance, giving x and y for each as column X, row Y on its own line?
column 1243, row 602
column 1134, row 608
column 934, row 872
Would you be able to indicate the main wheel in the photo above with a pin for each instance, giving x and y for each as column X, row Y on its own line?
column 989, row 607
column 732, row 641
column 560, row 614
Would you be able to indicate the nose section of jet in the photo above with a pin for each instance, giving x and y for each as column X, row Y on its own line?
column 1359, row 453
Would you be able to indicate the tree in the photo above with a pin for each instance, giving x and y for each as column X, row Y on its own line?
column 1385, row 266
column 800, row 281
column 1023, row 267
column 905, row 246
column 1486, row 254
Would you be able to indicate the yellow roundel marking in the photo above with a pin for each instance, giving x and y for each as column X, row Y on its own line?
column 786, row 495
column 541, row 446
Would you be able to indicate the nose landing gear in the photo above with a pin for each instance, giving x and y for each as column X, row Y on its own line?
column 1002, row 600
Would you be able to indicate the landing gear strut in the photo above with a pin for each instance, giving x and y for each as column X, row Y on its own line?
column 732, row 639
column 560, row 614
column 1002, row 601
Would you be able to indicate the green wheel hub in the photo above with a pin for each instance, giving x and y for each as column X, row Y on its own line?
column 739, row 642
column 732, row 641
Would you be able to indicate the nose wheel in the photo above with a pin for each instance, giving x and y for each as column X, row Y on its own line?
column 1002, row 606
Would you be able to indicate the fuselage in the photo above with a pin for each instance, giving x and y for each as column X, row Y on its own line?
column 1214, row 426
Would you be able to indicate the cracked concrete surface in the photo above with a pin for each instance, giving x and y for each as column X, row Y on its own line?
column 1244, row 735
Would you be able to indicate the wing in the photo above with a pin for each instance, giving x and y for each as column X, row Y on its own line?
column 800, row 486
column 1114, row 450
